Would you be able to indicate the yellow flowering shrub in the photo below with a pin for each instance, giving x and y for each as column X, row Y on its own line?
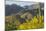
column 33, row 24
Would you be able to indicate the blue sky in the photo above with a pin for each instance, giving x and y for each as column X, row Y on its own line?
column 20, row 3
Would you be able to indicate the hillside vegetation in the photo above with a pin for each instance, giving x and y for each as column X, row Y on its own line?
column 13, row 24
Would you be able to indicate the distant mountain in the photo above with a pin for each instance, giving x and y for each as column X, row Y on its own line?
column 32, row 8
column 16, row 9
column 11, row 9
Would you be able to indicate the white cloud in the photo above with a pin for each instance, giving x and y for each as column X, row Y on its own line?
column 21, row 3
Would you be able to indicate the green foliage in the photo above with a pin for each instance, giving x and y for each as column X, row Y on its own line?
column 13, row 24
column 10, row 23
column 33, row 24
